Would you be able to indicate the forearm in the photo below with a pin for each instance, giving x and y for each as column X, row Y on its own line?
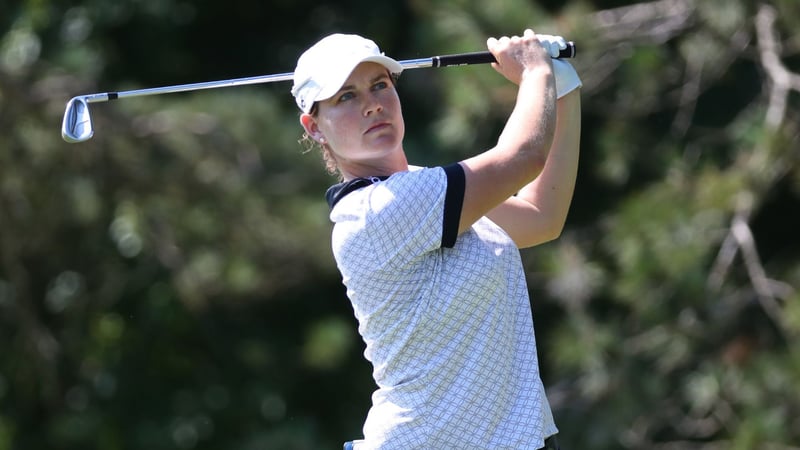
column 551, row 192
column 530, row 128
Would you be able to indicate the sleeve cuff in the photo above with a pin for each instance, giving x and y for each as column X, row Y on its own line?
column 453, row 202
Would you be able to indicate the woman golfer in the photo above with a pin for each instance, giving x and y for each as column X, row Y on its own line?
column 430, row 256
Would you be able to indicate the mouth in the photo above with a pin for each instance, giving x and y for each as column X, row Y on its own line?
column 377, row 127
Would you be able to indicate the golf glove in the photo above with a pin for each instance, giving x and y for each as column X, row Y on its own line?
column 553, row 44
column 567, row 79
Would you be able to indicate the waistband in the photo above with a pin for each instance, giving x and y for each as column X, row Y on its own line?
column 550, row 443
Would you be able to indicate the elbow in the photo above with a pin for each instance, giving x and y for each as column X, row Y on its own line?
column 554, row 231
column 555, row 226
column 542, row 235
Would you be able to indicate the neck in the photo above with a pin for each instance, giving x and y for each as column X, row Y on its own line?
column 386, row 167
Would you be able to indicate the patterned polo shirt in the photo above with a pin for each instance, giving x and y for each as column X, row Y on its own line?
column 446, row 318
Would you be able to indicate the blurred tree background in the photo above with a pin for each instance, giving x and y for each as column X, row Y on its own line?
column 169, row 284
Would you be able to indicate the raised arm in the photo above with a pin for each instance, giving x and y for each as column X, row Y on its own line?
column 538, row 213
column 521, row 151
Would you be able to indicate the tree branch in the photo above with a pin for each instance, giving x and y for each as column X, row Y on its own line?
column 783, row 81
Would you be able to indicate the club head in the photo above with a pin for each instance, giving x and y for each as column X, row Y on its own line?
column 77, row 124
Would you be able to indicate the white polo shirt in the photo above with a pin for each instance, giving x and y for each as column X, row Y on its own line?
column 446, row 321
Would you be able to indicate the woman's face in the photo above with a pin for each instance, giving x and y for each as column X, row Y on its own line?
column 362, row 124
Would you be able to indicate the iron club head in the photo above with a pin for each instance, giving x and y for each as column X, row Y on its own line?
column 77, row 124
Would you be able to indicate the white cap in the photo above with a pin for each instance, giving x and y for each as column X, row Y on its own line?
column 322, row 69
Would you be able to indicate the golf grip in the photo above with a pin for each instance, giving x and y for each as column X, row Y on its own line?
column 460, row 59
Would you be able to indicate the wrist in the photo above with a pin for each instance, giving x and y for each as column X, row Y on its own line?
column 537, row 72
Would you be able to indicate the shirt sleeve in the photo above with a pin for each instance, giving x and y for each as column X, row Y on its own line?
column 405, row 216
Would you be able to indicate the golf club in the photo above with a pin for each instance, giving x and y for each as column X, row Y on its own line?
column 77, row 123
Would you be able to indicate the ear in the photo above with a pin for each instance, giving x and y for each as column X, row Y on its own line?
column 309, row 123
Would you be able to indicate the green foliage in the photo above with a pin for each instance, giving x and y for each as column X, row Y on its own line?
column 169, row 283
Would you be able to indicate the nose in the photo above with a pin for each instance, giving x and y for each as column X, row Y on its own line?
column 373, row 105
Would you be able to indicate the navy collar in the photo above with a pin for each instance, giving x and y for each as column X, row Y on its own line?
column 338, row 191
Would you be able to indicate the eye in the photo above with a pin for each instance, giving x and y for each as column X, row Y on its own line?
column 380, row 85
column 345, row 96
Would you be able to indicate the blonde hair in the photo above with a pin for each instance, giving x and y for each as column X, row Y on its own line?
column 310, row 144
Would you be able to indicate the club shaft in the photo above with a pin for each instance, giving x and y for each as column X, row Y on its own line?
column 106, row 96
column 435, row 61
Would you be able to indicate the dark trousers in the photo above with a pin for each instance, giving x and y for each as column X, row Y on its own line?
column 550, row 443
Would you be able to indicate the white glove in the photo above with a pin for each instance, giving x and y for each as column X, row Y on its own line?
column 567, row 79
column 553, row 44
